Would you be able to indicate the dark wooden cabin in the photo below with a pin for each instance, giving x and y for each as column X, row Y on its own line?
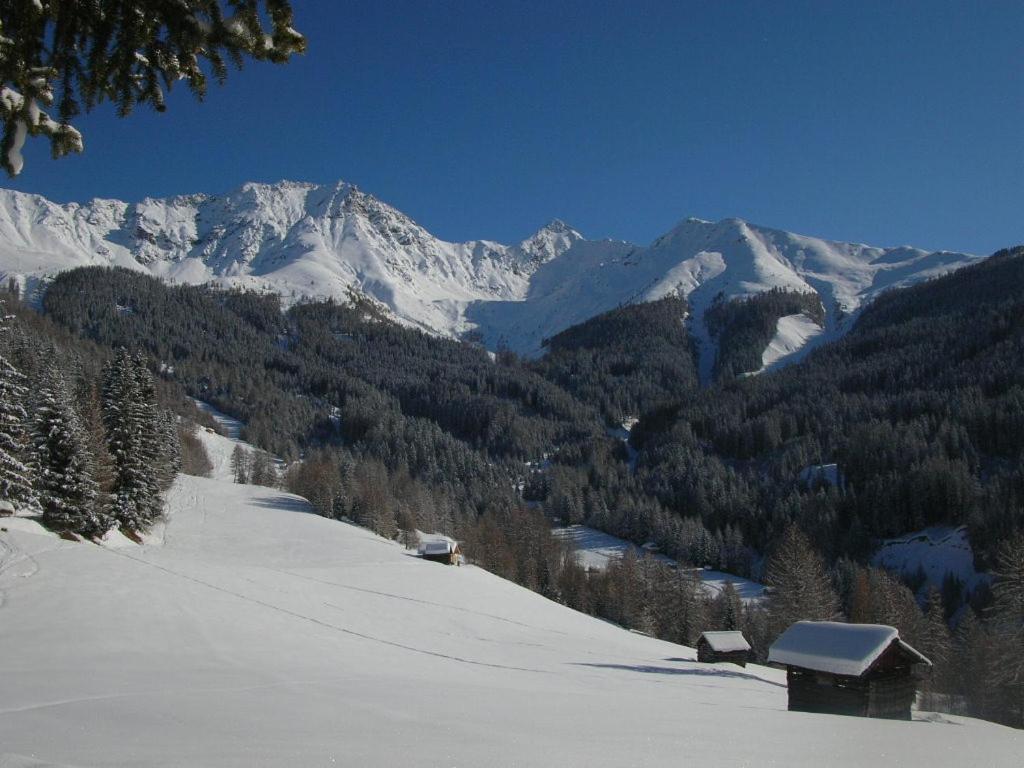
column 730, row 647
column 441, row 550
column 848, row 669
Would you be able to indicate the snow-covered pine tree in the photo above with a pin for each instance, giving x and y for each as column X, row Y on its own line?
column 129, row 414
column 169, row 447
column 75, row 55
column 146, row 416
column 16, row 475
column 66, row 484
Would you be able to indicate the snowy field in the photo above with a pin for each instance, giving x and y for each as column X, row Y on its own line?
column 794, row 337
column 254, row 633
column 595, row 549
column 938, row 551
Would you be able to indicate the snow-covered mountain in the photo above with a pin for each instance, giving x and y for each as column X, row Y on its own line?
column 305, row 240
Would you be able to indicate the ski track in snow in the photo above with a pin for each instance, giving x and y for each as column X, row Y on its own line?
column 312, row 619
column 415, row 600
column 11, row 556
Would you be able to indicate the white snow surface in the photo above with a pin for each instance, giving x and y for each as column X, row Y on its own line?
column 794, row 337
column 259, row 634
column 832, row 646
column 938, row 550
column 725, row 641
column 314, row 241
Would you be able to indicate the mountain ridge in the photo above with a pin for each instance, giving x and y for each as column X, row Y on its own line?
column 311, row 241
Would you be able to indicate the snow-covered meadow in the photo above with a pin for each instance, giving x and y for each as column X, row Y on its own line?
column 255, row 633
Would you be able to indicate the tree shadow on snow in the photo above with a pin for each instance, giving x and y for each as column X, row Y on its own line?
column 702, row 671
column 287, row 503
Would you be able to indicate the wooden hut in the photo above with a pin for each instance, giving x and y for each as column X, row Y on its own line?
column 848, row 669
column 441, row 549
column 731, row 647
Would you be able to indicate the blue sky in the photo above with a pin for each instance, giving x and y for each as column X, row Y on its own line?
column 888, row 123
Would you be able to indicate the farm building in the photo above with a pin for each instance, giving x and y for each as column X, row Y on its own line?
column 441, row 549
column 729, row 647
column 848, row 669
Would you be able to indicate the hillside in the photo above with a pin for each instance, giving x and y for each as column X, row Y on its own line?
column 260, row 634
column 919, row 405
column 324, row 241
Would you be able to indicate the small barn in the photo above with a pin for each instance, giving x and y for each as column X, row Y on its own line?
column 848, row 669
column 441, row 549
column 731, row 647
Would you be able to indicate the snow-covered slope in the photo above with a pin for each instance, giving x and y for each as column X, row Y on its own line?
column 936, row 551
column 305, row 240
column 794, row 336
column 259, row 634
column 702, row 260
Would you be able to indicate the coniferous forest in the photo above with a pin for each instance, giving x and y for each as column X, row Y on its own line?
column 921, row 406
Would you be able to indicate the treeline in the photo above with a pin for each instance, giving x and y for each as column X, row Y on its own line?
column 85, row 442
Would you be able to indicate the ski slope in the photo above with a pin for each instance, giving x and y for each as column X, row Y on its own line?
column 258, row 634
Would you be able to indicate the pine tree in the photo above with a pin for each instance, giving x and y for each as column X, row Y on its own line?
column 77, row 54
column 971, row 673
column 169, row 448
column 16, row 475
column 800, row 584
column 129, row 413
column 937, row 645
column 262, row 470
column 1007, row 671
column 67, row 487
column 240, row 467
column 728, row 608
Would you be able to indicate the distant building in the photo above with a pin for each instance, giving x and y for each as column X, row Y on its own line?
column 441, row 549
column 821, row 474
column 848, row 669
column 730, row 647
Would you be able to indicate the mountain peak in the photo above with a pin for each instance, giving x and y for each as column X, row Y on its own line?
column 548, row 242
column 557, row 226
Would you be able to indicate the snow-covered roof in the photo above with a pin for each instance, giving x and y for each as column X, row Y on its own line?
column 437, row 545
column 831, row 646
column 726, row 642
